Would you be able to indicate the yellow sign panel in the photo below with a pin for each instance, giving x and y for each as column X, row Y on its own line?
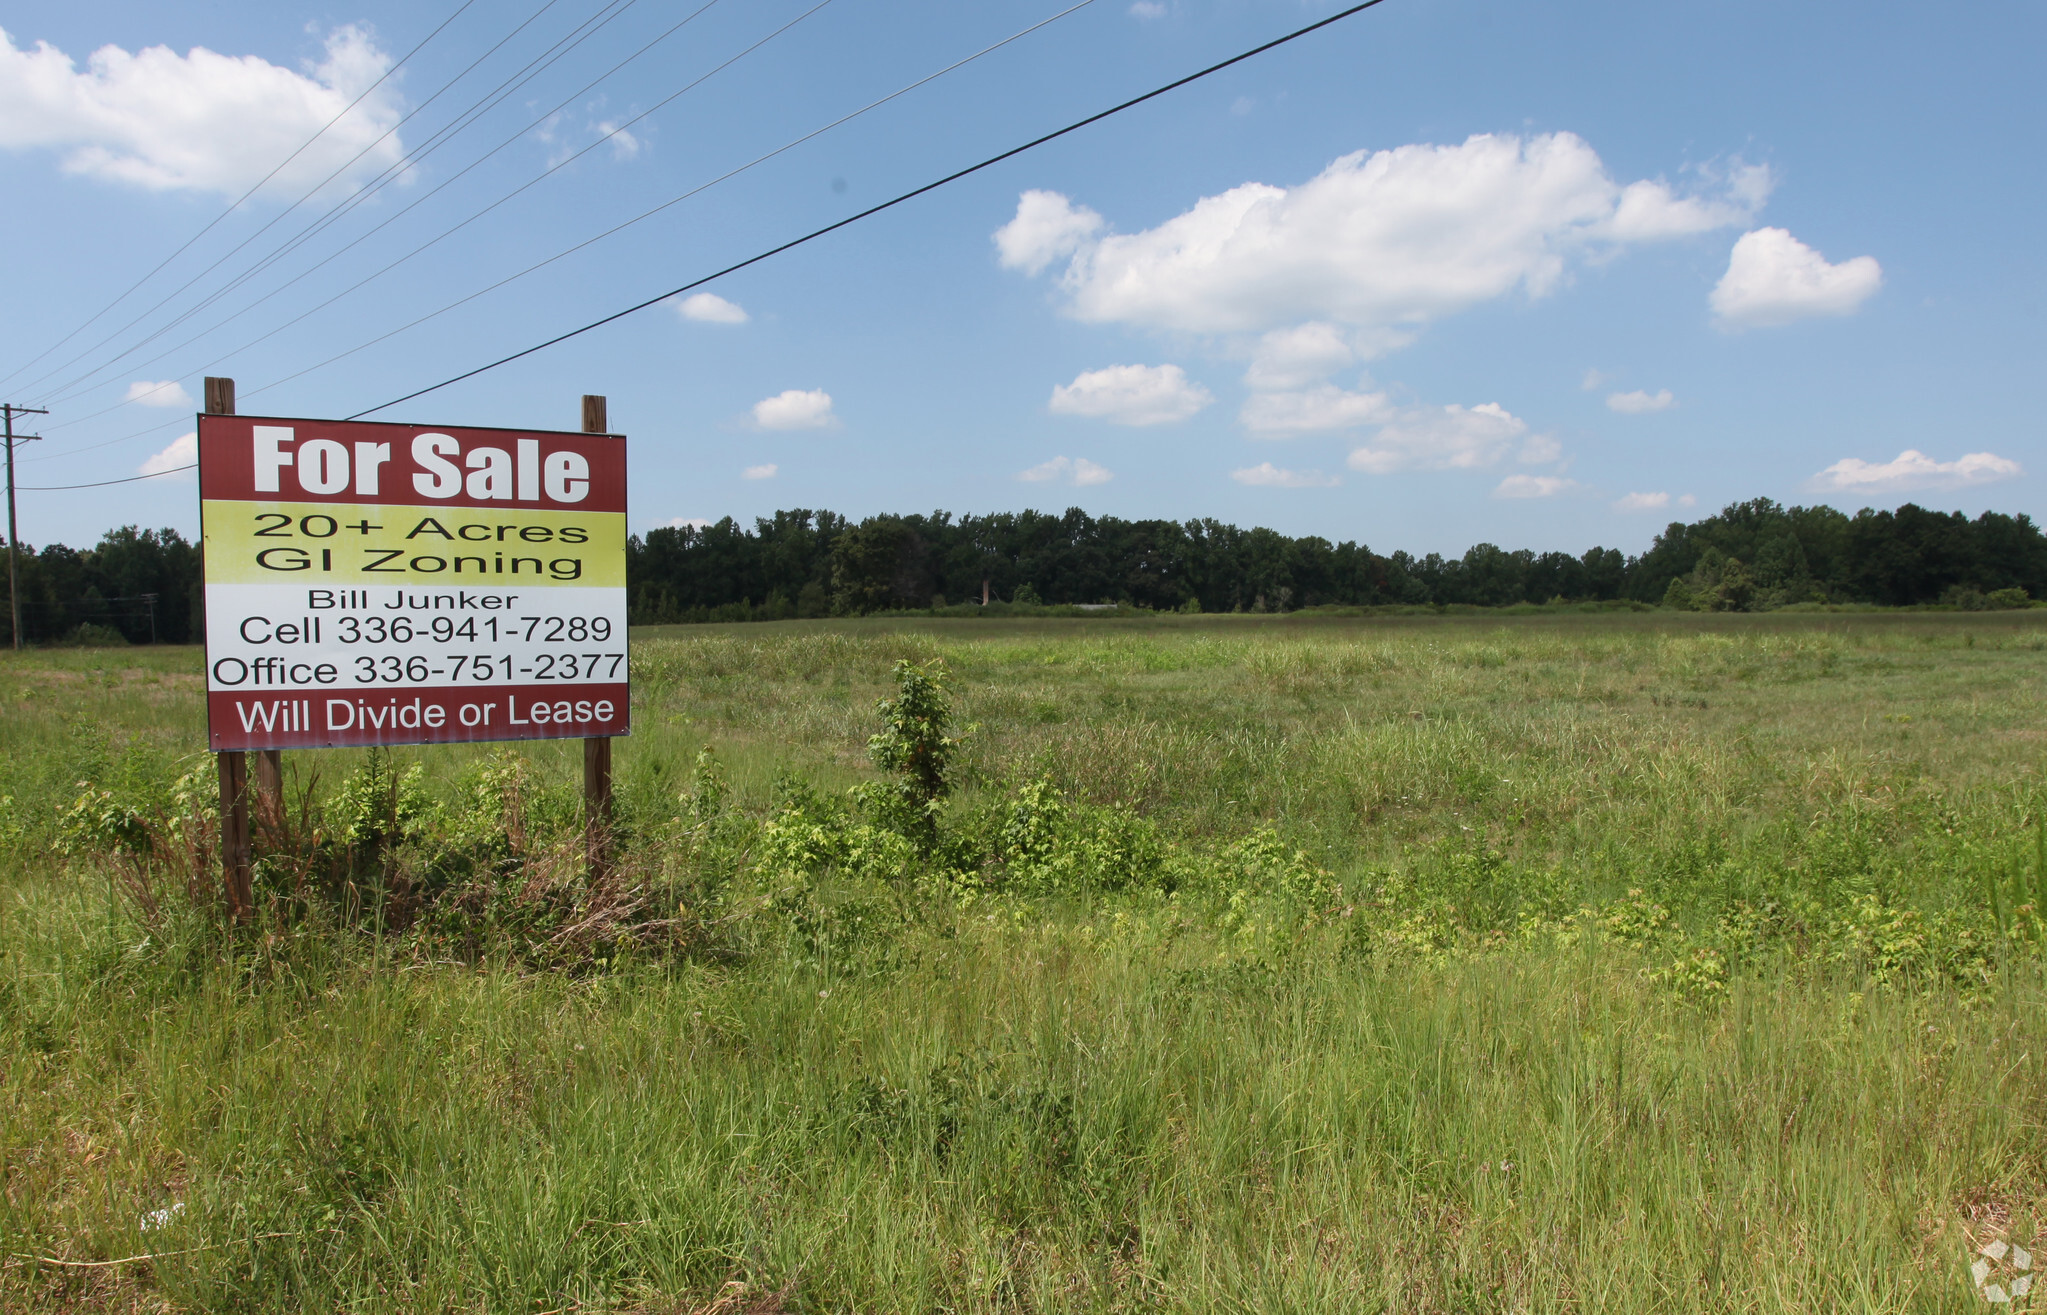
column 305, row 543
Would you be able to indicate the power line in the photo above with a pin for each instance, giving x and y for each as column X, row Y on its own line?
column 616, row 228
column 109, row 442
column 953, row 177
column 507, row 197
column 787, row 146
column 495, row 96
column 236, row 204
column 440, row 137
column 100, row 484
column 1033, row 144
column 389, row 172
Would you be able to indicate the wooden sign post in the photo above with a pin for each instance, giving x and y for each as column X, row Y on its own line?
column 596, row 748
column 237, row 853
column 374, row 584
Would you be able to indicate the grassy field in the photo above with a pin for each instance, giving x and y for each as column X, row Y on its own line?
column 1630, row 963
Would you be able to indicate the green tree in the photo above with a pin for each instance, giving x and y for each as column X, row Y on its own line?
column 915, row 749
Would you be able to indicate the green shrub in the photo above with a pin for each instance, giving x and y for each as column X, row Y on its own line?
column 1050, row 845
column 378, row 806
column 913, row 747
column 89, row 634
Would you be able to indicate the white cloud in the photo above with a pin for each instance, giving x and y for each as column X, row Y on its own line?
column 1441, row 438
column 1131, row 395
column 797, row 408
column 1594, row 380
column 624, row 146
column 1378, row 241
column 1773, row 278
column 1533, row 486
column 1077, row 471
column 183, row 451
column 1640, row 401
column 1267, row 475
column 1297, row 357
column 1047, row 227
column 1687, row 501
column 1642, row 502
column 200, row 121
column 1913, row 470
column 768, row 471
column 1147, row 9
column 167, row 393
column 1311, row 410
column 1650, row 210
column 710, row 308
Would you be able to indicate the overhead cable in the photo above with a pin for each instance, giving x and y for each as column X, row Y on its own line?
column 814, row 234
column 363, row 346
column 507, row 197
column 643, row 215
column 102, row 483
column 237, row 202
column 490, row 100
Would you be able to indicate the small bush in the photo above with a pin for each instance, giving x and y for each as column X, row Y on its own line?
column 1052, row 846
column 90, row 634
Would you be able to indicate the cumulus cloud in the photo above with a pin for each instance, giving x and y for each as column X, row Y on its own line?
column 1533, row 486
column 1913, row 470
column 1442, row 438
column 1594, row 380
column 1648, row 211
column 1311, row 410
column 167, row 393
column 1296, row 357
column 200, row 121
column 1131, row 395
column 1773, row 278
column 1379, row 241
column 796, row 408
column 1077, row 471
column 183, row 451
column 1642, row 502
column 767, row 471
column 710, row 308
column 1047, row 227
column 1266, row 475
column 1640, row 402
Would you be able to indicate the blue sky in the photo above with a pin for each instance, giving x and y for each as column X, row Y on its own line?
column 1544, row 275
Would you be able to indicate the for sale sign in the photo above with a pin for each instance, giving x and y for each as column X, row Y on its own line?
column 376, row 584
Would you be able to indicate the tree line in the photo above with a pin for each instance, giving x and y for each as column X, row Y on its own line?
column 137, row 585
column 145, row 585
column 1751, row 556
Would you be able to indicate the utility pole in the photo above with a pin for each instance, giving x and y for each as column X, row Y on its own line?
column 14, row 539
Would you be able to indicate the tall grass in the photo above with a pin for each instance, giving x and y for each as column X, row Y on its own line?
column 1623, row 967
